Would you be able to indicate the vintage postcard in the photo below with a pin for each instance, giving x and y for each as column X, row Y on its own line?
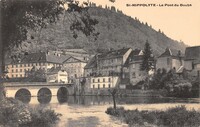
column 99, row 63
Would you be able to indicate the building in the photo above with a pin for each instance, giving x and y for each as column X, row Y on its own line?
column 78, row 53
column 103, row 82
column 108, row 63
column 57, row 75
column 91, row 67
column 74, row 67
column 192, row 59
column 171, row 59
column 135, row 61
column 18, row 67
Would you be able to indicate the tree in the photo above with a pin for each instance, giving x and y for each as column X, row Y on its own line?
column 113, row 92
column 148, row 58
column 147, row 62
column 18, row 16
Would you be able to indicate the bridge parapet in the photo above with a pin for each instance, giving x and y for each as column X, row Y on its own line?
column 18, row 84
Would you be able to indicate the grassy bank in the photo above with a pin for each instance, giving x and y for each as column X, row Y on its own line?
column 173, row 117
column 14, row 113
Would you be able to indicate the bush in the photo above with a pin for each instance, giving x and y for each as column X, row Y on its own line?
column 173, row 117
column 41, row 117
column 14, row 113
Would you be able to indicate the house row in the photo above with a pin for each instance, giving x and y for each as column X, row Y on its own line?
column 106, row 70
column 126, row 65
column 174, row 59
column 51, row 62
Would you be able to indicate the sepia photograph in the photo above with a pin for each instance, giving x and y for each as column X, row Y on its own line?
column 99, row 63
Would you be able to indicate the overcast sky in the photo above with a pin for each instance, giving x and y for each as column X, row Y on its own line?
column 179, row 23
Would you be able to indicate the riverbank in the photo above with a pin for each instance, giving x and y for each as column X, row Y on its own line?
column 178, row 116
column 95, row 116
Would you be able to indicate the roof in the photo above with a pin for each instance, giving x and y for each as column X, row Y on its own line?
column 40, row 57
column 54, row 70
column 75, row 50
column 192, row 53
column 172, row 52
column 92, row 63
column 113, row 53
column 75, row 59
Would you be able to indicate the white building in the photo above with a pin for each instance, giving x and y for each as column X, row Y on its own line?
column 57, row 75
column 104, row 82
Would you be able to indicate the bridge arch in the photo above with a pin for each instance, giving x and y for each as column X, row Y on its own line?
column 44, row 95
column 62, row 94
column 23, row 95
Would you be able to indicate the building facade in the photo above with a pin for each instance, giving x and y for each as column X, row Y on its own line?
column 74, row 67
column 192, row 60
column 103, row 82
column 171, row 59
column 135, row 73
column 57, row 75
column 108, row 63
column 19, row 67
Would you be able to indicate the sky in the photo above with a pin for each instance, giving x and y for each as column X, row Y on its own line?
column 178, row 23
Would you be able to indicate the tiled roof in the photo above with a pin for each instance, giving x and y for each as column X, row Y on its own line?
column 192, row 53
column 172, row 52
column 40, row 57
column 79, row 59
column 113, row 53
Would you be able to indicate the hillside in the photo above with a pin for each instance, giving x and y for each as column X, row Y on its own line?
column 116, row 31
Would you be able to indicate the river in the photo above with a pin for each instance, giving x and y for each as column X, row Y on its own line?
column 89, row 111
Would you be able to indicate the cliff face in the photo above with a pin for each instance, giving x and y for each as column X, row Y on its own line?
column 116, row 31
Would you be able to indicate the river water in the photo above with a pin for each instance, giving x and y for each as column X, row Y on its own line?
column 89, row 111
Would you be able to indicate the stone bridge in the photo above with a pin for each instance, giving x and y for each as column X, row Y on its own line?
column 26, row 91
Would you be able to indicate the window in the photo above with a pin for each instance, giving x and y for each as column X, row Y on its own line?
column 98, row 86
column 192, row 65
column 103, row 85
column 133, row 75
column 108, row 85
column 16, row 65
column 16, row 70
column 109, row 80
column 16, row 75
column 12, row 70
column 12, row 76
column 12, row 66
column 20, row 70
column 103, row 79
column 20, row 65
column 98, row 80
column 20, row 75
column 93, row 80
column 24, row 65
column 168, row 61
column 93, row 86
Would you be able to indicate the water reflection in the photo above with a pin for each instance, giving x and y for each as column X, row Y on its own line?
column 23, row 95
column 103, row 100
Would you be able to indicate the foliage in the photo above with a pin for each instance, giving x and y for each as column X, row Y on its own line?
column 41, row 117
column 36, row 74
column 20, row 16
column 175, row 85
column 14, row 113
column 173, row 117
column 159, row 79
column 148, row 58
